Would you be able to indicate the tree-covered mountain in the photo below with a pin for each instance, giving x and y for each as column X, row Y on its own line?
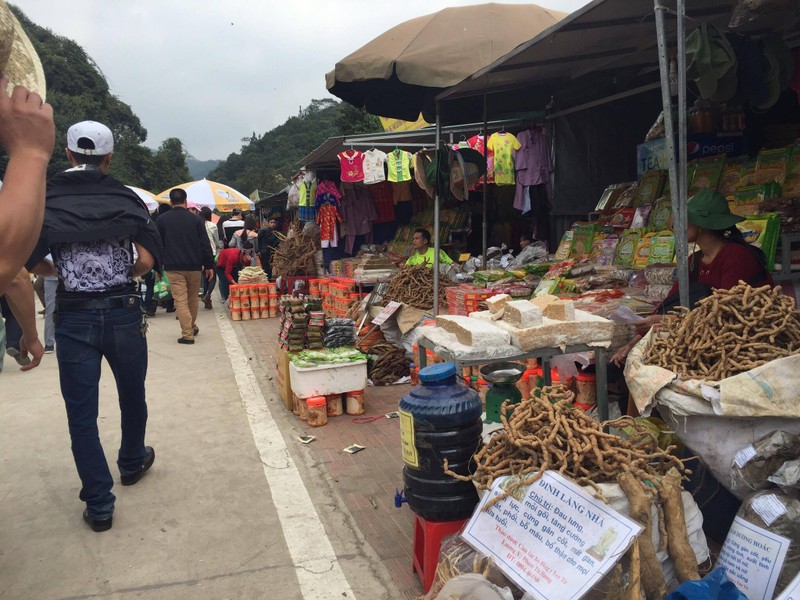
column 78, row 91
column 267, row 162
column 200, row 168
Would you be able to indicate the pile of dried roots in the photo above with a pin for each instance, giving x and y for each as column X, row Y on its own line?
column 727, row 333
column 413, row 285
column 390, row 365
column 294, row 256
column 547, row 432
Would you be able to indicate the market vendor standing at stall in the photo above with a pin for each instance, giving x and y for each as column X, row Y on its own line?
column 423, row 251
column 723, row 258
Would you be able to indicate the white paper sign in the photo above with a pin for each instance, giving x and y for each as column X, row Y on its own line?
column 753, row 558
column 387, row 312
column 744, row 455
column 792, row 591
column 769, row 508
column 552, row 539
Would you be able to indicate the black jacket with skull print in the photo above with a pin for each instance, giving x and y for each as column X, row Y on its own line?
column 89, row 206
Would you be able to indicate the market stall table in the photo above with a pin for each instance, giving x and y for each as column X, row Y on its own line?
column 543, row 354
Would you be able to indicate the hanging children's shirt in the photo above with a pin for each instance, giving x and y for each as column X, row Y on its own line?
column 504, row 145
column 328, row 218
column 373, row 166
column 306, row 210
column 476, row 143
column 399, row 165
column 352, row 165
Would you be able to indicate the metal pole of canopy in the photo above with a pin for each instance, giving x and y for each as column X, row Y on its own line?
column 485, row 225
column 674, row 186
column 681, row 225
column 436, row 241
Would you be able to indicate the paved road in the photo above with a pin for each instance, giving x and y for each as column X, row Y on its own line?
column 232, row 508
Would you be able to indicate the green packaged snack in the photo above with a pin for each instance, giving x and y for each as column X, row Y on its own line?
column 762, row 231
column 662, row 248
column 651, row 186
column 565, row 247
column 626, row 248
column 582, row 239
column 706, row 174
column 661, row 214
column 771, row 166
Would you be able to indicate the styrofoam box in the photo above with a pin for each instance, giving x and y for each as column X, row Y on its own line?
column 328, row 379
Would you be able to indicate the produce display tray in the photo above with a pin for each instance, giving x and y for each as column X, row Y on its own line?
column 322, row 380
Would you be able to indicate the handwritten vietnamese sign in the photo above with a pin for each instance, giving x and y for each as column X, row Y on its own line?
column 387, row 312
column 553, row 539
column 753, row 558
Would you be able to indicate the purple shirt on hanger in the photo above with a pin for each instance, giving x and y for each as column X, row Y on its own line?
column 532, row 163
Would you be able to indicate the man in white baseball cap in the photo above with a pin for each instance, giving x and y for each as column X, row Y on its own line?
column 90, row 138
column 100, row 236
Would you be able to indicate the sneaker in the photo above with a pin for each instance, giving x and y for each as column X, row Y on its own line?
column 22, row 361
column 49, row 349
column 183, row 340
column 150, row 312
column 96, row 524
column 195, row 330
column 149, row 459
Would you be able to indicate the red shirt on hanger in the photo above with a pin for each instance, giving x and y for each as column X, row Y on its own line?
column 352, row 165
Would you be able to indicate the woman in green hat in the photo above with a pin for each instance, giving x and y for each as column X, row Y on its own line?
column 723, row 258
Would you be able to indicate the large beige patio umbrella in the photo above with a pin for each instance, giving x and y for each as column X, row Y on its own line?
column 399, row 73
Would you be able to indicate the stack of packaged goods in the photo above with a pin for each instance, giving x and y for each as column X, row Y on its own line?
column 248, row 302
column 341, row 297
column 294, row 324
column 316, row 324
column 340, row 332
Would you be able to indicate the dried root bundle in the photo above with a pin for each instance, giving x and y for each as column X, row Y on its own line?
column 727, row 333
column 413, row 285
column 391, row 364
column 547, row 432
column 294, row 256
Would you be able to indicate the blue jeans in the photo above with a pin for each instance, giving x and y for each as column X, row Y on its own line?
column 83, row 338
column 224, row 284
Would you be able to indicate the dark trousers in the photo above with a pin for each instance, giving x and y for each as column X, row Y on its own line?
column 224, row 284
column 13, row 329
column 83, row 339
column 209, row 284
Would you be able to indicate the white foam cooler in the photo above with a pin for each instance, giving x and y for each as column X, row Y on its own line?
column 328, row 379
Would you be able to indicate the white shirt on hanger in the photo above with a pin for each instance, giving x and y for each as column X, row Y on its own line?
column 373, row 166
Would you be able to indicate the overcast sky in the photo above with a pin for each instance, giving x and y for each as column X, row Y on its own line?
column 211, row 72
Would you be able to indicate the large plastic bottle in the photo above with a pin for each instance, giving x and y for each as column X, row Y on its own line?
column 440, row 419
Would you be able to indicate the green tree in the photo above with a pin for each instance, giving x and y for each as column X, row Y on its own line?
column 267, row 162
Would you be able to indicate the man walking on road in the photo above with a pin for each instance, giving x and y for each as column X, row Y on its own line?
column 92, row 224
column 186, row 253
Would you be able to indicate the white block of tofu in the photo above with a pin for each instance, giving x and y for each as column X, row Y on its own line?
column 496, row 303
column 522, row 314
column 474, row 332
column 587, row 329
column 560, row 310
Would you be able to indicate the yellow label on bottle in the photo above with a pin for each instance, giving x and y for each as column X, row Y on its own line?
column 407, row 439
